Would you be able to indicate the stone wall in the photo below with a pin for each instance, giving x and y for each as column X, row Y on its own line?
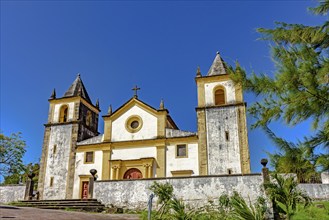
column 316, row 191
column 11, row 193
column 325, row 177
column 57, row 162
column 223, row 140
column 196, row 191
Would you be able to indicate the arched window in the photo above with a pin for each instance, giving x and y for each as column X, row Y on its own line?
column 88, row 118
column 219, row 96
column 63, row 114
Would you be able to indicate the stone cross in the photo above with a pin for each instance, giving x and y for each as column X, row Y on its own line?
column 135, row 91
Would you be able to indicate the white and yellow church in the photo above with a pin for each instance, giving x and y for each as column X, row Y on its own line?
column 141, row 141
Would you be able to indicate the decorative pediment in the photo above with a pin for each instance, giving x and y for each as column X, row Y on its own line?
column 136, row 120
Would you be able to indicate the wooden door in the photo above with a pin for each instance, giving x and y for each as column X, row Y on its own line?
column 85, row 187
column 133, row 173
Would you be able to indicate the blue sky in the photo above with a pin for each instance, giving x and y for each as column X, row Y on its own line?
column 115, row 45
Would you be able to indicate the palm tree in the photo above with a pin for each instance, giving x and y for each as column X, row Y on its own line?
column 285, row 195
column 241, row 210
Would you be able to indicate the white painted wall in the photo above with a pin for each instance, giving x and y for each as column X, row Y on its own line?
column 189, row 163
column 133, row 153
column 229, row 88
column 148, row 130
column 57, row 111
column 83, row 169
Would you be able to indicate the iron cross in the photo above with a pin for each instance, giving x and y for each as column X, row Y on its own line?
column 135, row 91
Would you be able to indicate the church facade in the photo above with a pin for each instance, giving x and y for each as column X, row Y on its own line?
column 141, row 141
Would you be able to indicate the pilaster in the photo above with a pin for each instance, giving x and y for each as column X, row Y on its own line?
column 43, row 161
column 161, row 160
column 243, row 139
column 202, row 135
column 71, row 165
column 106, row 165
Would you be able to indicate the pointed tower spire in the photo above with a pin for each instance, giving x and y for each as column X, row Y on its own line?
column 109, row 112
column 53, row 94
column 217, row 67
column 79, row 92
column 161, row 105
column 198, row 72
column 97, row 103
column 77, row 89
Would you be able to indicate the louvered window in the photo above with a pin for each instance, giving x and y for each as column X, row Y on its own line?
column 219, row 97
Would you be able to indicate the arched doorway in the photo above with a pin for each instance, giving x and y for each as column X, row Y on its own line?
column 133, row 173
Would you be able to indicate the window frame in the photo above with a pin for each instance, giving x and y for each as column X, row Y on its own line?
column 186, row 150
column 219, row 87
column 63, row 111
column 85, row 157
column 51, row 181
column 89, row 118
column 54, row 149
column 130, row 120
column 227, row 136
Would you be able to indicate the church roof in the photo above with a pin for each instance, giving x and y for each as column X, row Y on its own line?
column 77, row 89
column 171, row 133
column 94, row 140
column 218, row 66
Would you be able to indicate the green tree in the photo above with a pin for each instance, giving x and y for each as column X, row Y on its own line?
column 18, row 177
column 293, row 158
column 284, row 193
column 241, row 209
column 12, row 149
column 299, row 89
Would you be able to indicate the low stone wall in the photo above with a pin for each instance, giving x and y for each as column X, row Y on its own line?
column 325, row 177
column 195, row 191
column 11, row 193
column 316, row 191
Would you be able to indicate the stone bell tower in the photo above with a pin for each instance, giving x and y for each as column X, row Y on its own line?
column 222, row 129
column 71, row 118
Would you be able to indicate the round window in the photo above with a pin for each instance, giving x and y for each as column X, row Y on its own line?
column 134, row 123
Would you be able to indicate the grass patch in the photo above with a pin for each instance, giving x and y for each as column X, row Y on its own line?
column 313, row 212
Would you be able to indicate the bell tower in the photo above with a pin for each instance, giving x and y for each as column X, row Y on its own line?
column 71, row 118
column 221, row 117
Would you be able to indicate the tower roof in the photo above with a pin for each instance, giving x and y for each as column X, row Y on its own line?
column 218, row 66
column 77, row 89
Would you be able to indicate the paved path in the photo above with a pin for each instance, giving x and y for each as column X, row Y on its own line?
column 26, row 213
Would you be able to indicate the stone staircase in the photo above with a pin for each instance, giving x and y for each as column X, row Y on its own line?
column 89, row 205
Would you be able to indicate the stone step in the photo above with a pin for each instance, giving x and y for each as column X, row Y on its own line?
column 59, row 204
column 72, row 204
column 62, row 202
column 76, row 208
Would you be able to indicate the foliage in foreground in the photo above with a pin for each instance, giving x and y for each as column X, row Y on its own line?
column 318, row 210
column 234, row 207
column 285, row 195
